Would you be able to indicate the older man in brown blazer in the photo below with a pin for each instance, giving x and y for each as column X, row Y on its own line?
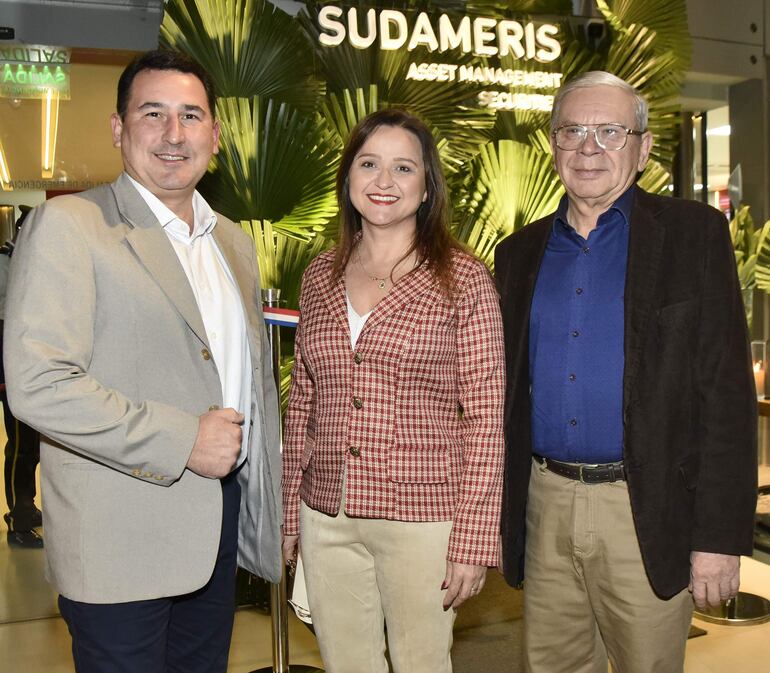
column 630, row 415
column 135, row 343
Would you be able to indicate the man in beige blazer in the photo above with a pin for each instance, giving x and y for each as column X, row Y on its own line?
column 135, row 343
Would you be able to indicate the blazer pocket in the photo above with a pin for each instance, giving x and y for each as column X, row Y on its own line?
column 83, row 465
column 411, row 465
column 689, row 468
column 307, row 452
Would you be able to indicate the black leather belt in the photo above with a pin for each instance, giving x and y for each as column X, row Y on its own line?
column 587, row 473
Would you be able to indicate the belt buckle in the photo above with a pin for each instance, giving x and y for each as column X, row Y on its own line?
column 580, row 471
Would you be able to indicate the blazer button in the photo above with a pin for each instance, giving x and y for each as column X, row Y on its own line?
column 357, row 403
column 354, row 451
column 205, row 353
column 214, row 407
column 137, row 472
column 358, row 358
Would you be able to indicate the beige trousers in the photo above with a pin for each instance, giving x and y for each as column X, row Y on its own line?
column 586, row 594
column 363, row 574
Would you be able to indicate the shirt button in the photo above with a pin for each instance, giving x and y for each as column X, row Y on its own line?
column 586, row 250
column 579, row 290
column 572, row 377
column 573, row 421
column 358, row 358
column 575, row 333
column 354, row 451
column 357, row 403
column 205, row 353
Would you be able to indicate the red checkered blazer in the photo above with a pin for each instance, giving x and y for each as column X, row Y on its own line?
column 413, row 415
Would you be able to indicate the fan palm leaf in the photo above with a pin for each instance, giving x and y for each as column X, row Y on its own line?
column 249, row 47
column 762, row 260
column 667, row 18
column 655, row 179
column 510, row 184
column 276, row 165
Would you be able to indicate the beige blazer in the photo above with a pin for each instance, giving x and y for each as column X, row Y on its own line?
column 106, row 354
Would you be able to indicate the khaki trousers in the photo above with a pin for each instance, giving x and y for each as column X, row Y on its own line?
column 364, row 573
column 586, row 594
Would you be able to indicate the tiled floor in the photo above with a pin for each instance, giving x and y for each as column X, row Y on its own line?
column 33, row 639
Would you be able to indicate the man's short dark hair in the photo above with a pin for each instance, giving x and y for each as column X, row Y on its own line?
column 163, row 59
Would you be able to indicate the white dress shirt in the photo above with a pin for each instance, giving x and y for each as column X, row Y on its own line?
column 218, row 298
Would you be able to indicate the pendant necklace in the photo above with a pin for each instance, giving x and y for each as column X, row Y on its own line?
column 380, row 281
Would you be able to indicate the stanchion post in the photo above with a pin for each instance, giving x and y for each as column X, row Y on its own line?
column 279, row 611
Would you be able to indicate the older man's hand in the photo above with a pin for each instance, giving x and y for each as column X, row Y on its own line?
column 713, row 577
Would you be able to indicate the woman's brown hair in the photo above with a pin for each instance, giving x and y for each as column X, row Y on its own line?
column 432, row 242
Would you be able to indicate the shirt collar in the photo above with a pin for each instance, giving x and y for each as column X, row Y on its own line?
column 622, row 205
column 204, row 218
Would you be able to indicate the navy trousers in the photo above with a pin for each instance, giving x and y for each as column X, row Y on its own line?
column 181, row 634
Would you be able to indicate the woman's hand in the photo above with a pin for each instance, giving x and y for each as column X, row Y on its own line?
column 290, row 547
column 461, row 582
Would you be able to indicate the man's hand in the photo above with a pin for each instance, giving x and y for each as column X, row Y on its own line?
column 461, row 583
column 218, row 443
column 713, row 577
column 290, row 547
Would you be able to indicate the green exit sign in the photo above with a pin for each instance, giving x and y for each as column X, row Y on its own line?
column 34, row 80
column 32, row 70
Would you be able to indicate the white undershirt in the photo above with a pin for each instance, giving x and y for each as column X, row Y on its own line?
column 218, row 298
column 355, row 322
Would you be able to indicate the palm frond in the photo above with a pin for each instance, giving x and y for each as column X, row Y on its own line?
column 249, row 47
column 281, row 258
column 510, row 184
column 667, row 18
column 275, row 164
column 655, row 179
column 344, row 110
column 762, row 263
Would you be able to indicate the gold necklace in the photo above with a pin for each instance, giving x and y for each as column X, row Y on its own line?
column 381, row 282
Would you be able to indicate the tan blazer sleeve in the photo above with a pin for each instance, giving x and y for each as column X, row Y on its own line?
column 49, row 335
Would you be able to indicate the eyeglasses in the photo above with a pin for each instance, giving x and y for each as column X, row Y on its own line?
column 609, row 137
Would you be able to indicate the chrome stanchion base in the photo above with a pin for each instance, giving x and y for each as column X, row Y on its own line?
column 743, row 610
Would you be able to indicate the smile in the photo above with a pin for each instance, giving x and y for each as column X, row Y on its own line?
column 170, row 157
column 383, row 199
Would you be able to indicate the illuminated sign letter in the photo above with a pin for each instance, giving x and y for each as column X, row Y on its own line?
column 481, row 36
column 423, row 33
column 529, row 35
column 326, row 21
column 388, row 18
column 451, row 39
column 357, row 40
column 509, row 34
column 549, row 47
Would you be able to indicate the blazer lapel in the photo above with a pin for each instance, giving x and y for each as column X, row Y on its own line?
column 645, row 247
column 405, row 291
column 520, row 295
column 151, row 245
column 333, row 295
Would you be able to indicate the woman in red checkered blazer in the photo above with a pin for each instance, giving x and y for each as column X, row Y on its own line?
column 393, row 453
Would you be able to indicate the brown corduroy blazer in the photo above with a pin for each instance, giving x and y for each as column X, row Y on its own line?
column 689, row 403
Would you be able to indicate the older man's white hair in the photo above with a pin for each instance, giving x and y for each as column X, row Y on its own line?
column 601, row 78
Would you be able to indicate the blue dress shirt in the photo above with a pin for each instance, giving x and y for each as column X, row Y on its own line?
column 576, row 339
